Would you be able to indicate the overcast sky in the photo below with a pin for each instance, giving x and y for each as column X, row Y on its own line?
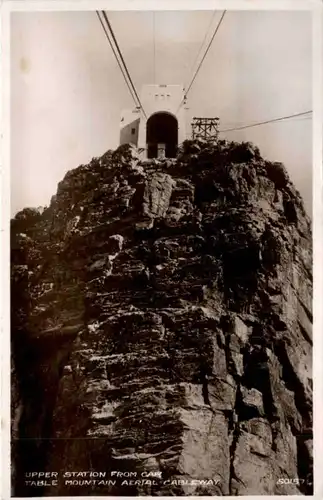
column 67, row 92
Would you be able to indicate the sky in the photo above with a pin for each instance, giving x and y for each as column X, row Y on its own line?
column 67, row 91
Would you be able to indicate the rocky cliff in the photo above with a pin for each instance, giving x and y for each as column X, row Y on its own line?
column 161, row 329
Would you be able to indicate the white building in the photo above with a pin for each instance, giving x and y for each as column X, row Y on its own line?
column 160, row 133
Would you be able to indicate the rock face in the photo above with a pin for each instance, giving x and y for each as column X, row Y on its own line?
column 161, row 328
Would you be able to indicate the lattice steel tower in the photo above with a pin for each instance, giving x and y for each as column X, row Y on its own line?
column 205, row 128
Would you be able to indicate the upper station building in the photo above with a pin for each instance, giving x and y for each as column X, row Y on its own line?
column 159, row 132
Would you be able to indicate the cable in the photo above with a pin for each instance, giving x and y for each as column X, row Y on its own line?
column 202, row 44
column 296, row 119
column 267, row 121
column 203, row 58
column 154, row 44
column 114, row 52
column 205, row 54
column 122, row 59
column 207, row 49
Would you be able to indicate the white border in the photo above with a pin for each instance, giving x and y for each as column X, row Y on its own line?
column 316, row 6
column 5, row 252
column 119, row 5
column 317, row 247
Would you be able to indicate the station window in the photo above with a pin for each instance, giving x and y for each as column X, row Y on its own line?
column 133, row 131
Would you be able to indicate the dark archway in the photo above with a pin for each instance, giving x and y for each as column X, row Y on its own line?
column 162, row 129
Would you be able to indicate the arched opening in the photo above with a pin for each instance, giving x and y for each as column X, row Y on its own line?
column 162, row 135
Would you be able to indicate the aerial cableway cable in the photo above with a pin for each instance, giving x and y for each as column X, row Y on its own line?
column 115, row 54
column 154, row 46
column 203, row 58
column 123, row 66
column 267, row 121
column 122, row 59
column 206, row 52
column 202, row 44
